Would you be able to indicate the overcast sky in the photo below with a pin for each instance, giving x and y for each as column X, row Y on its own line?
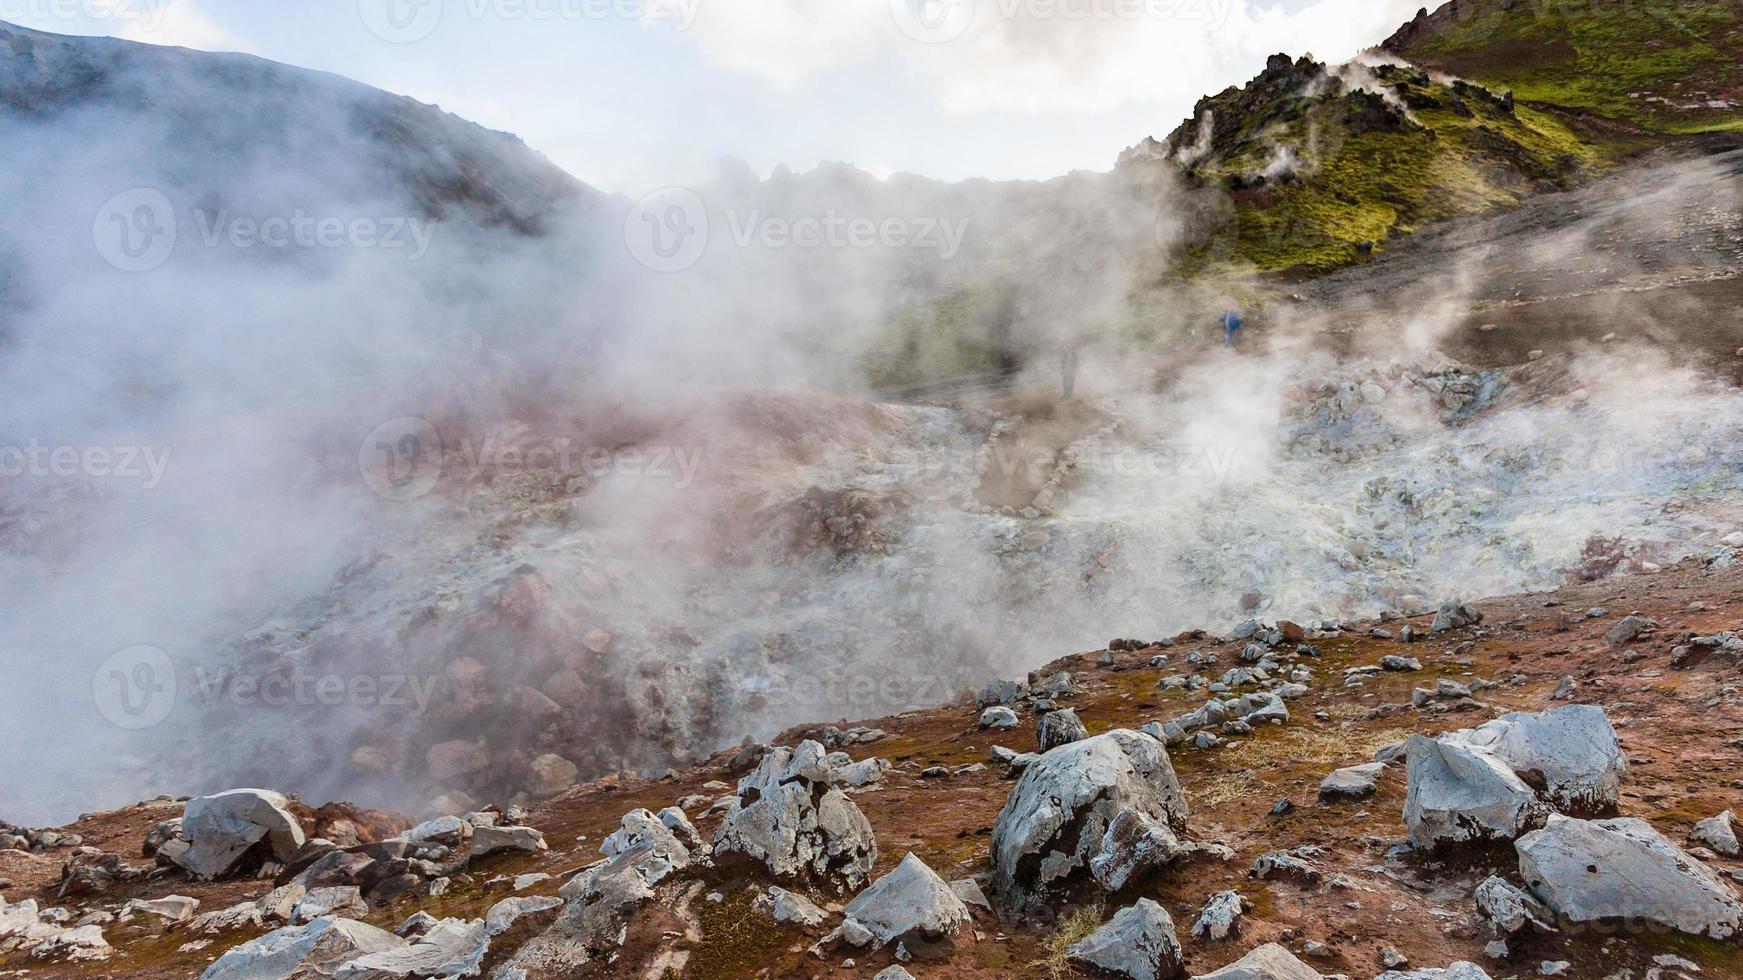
column 630, row 95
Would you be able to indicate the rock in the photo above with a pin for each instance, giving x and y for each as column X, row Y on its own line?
column 1454, row 615
column 1351, row 782
column 1058, row 814
column 220, row 829
column 970, row 892
column 1060, row 727
column 1718, row 833
column 1629, row 629
column 457, row 757
column 1220, row 917
column 1400, row 665
column 1458, row 971
column 894, row 972
column 551, row 774
column 1133, row 845
column 175, row 908
column 790, row 818
column 1391, row 959
column 1572, row 750
column 1058, row 686
column 1598, row 870
column 337, row 900
column 448, row 831
column 785, row 906
column 911, row 906
column 1509, row 910
column 1138, row 942
column 1291, row 865
column 312, row 950
column 1000, row 692
column 490, row 840
column 450, row 948
column 1458, row 793
column 998, row 716
column 640, row 829
column 1267, row 962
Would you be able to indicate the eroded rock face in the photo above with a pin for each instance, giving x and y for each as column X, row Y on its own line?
column 1458, row 793
column 220, row 829
column 1267, row 962
column 1573, row 748
column 597, row 903
column 642, row 829
column 1138, row 942
column 790, row 818
column 1622, row 869
column 1058, row 815
column 317, row 948
column 911, row 906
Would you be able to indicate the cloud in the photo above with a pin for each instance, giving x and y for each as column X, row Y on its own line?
column 181, row 24
column 1036, row 55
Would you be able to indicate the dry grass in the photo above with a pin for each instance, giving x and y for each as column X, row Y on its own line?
column 1278, row 753
column 1076, row 926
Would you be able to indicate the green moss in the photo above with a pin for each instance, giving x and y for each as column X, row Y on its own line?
column 737, row 940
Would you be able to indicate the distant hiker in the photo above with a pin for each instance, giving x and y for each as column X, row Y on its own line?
column 1068, row 370
column 1231, row 322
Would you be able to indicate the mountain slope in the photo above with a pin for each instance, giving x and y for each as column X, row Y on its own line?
column 1672, row 66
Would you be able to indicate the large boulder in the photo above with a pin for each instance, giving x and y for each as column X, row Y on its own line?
column 1060, row 727
column 597, row 904
column 1461, row 970
column 1623, row 870
column 1267, row 962
column 911, row 906
column 789, row 817
column 315, row 949
column 1138, row 942
column 1059, row 813
column 1718, row 833
column 220, row 829
column 1458, row 793
column 641, row 828
column 1509, row 910
column 1572, row 750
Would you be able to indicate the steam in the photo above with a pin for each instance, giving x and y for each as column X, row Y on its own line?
column 674, row 508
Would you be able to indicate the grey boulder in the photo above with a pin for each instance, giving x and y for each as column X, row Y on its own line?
column 1461, row 970
column 1057, row 816
column 1622, row 869
column 1509, row 910
column 998, row 716
column 1060, row 727
column 911, row 906
column 315, row 949
column 1352, row 782
column 220, row 829
column 1573, row 748
column 1718, row 833
column 1221, row 917
column 1138, row 942
column 1267, row 962
column 789, row 817
column 1458, row 793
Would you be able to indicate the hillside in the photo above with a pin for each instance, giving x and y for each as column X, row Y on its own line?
column 1669, row 66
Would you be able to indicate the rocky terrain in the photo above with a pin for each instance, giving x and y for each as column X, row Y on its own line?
column 1507, row 786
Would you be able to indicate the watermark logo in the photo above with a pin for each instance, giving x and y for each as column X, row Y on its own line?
column 147, row 464
column 401, row 21
column 135, row 688
column 667, row 230
column 148, row 14
column 401, row 459
column 135, row 231
column 933, row 21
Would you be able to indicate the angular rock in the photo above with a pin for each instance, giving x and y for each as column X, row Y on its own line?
column 998, row 717
column 1622, row 869
column 1572, row 749
column 1059, row 812
column 1718, row 833
column 997, row 692
column 641, row 829
column 490, row 840
column 1133, row 845
column 791, row 819
column 322, row 902
column 1220, row 917
column 1267, row 962
column 1060, row 728
column 1352, row 782
column 910, row 906
column 785, row 906
column 308, row 950
column 220, row 829
column 1461, row 970
column 1138, row 942
column 1509, row 910
column 1454, row 615
column 1458, row 793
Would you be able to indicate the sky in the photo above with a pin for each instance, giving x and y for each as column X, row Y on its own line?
column 634, row 95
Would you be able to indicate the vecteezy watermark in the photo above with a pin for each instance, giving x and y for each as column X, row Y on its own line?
column 146, row 464
column 148, row 14
column 941, row 21
column 135, row 688
column 669, row 230
column 403, row 459
column 410, row 21
column 138, row 230
column 407, row 694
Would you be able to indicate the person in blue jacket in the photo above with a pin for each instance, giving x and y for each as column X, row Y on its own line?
column 1231, row 322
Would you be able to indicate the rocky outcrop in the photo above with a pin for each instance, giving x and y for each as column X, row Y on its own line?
column 311, row 950
column 1138, row 942
column 1572, row 751
column 217, row 831
column 1458, row 794
column 911, row 907
column 790, row 818
column 1267, row 962
column 1060, row 812
column 1622, row 869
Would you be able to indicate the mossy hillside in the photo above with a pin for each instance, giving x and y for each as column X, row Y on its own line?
column 1672, row 66
column 1320, row 168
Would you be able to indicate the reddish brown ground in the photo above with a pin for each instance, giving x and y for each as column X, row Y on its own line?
column 1674, row 724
